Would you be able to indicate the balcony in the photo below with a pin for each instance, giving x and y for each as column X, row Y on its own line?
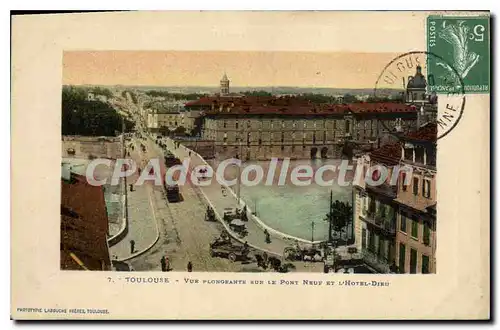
column 385, row 189
column 385, row 223
column 379, row 264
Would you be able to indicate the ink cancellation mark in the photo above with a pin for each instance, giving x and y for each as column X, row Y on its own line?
column 464, row 44
column 407, row 77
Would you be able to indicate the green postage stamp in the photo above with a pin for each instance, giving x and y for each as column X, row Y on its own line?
column 462, row 49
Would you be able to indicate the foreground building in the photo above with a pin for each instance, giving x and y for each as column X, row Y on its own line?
column 84, row 225
column 395, row 225
column 416, row 226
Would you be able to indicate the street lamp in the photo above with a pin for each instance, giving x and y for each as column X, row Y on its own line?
column 312, row 232
column 239, row 174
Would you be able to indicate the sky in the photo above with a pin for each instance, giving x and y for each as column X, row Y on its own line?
column 243, row 68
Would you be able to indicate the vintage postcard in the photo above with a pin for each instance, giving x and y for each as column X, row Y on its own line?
column 251, row 165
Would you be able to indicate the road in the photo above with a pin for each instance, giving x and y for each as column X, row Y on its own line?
column 183, row 234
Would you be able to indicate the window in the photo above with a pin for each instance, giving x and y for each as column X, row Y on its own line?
column 363, row 239
column 237, row 125
column 425, row 264
column 402, row 224
column 415, row 186
column 402, row 257
column 414, row 228
column 427, row 234
column 419, row 155
column 334, row 124
column 404, row 186
column 260, row 141
column 426, row 188
column 381, row 248
column 409, row 154
column 225, row 124
column 413, row 261
column 371, row 242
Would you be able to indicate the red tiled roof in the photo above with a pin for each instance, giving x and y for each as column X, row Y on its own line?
column 316, row 109
column 84, row 224
column 389, row 154
column 427, row 133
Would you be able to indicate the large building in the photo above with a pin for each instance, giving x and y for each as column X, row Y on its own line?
column 266, row 127
column 262, row 127
column 416, row 222
column 171, row 115
column 395, row 224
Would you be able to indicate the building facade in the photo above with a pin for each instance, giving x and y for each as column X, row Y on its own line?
column 416, row 225
column 289, row 127
column 395, row 223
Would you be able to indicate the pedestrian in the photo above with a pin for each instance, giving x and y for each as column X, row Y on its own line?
column 163, row 262
column 190, row 267
column 132, row 246
column 167, row 264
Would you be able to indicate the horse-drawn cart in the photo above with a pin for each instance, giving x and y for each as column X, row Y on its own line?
column 223, row 247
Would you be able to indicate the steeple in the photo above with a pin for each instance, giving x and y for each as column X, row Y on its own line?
column 224, row 85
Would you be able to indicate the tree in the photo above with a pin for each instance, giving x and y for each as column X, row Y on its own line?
column 339, row 216
column 180, row 131
column 348, row 98
column 348, row 149
column 257, row 93
column 317, row 98
column 89, row 118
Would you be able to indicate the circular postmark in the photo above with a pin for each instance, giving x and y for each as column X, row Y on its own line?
column 437, row 98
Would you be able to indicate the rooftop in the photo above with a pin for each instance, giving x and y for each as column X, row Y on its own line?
column 426, row 133
column 302, row 108
column 389, row 154
column 84, row 224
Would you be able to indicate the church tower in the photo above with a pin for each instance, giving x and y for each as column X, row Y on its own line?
column 224, row 85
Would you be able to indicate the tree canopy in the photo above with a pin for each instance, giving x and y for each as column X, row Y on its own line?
column 89, row 118
column 174, row 96
column 257, row 93
column 340, row 215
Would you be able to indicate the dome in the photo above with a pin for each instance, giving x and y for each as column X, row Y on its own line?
column 417, row 81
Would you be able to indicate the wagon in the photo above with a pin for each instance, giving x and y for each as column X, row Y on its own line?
column 230, row 213
column 238, row 226
column 296, row 253
column 225, row 249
